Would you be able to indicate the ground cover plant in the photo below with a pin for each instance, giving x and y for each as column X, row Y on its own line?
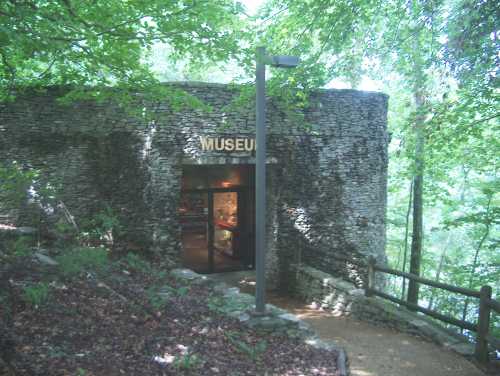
column 126, row 317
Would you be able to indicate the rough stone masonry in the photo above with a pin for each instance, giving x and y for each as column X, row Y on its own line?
column 327, row 169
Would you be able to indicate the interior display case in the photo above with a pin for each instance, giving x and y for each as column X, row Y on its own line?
column 226, row 223
column 216, row 213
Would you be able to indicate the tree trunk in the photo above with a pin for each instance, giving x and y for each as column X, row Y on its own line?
column 417, row 233
column 407, row 226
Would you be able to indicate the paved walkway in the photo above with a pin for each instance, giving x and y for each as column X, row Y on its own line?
column 372, row 350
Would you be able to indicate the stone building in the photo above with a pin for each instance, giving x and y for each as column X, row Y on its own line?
column 183, row 186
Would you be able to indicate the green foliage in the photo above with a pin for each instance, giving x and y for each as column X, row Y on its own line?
column 137, row 263
column 472, row 46
column 81, row 372
column 179, row 291
column 225, row 305
column 22, row 246
column 77, row 260
column 329, row 36
column 159, row 295
column 104, row 226
column 66, row 233
column 438, row 61
column 103, row 44
column 253, row 351
column 36, row 295
column 157, row 300
column 187, row 362
column 106, row 221
column 14, row 184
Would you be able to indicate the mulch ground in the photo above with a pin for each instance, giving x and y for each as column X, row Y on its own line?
column 107, row 324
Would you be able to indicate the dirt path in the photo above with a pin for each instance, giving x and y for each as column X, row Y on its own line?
column 372, row 350
column 375, row 351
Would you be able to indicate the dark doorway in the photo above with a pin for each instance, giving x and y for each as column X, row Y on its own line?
column 217, row 218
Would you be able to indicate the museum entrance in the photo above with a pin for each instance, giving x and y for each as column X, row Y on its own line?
column 217, row 216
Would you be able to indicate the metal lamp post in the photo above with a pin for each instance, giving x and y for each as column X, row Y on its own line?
column 260, row 174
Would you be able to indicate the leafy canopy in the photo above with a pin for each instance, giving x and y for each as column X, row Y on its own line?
column 103, row 43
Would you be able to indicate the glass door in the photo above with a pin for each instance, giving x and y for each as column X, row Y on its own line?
column 217, row 231
column 232, row 250
column 226, row 227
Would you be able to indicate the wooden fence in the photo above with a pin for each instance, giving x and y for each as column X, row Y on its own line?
column 484, row 339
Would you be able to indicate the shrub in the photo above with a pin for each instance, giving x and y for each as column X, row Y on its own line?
column 65, row 232
column 107, row 221
column 137, row 263
column 225, row 305
column 180, row 291
column 77, row 260
column 22, row 246
column 252, row 351
column 16, row 181
column 36, row 295
column 187, row 362
column 104, row 226
column 159, row 295
column 156, row 299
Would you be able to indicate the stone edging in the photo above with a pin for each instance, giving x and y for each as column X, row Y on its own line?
column 342, row 298
column 276, row 319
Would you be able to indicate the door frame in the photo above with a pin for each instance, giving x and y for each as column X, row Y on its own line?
column 210, row 238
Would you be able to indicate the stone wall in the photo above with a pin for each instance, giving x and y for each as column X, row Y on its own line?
column 327, row 190
column 343, row 298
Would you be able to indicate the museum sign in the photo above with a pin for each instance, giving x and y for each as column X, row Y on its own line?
column 227, row 144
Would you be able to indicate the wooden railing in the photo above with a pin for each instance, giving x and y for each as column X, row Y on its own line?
column 484, row 338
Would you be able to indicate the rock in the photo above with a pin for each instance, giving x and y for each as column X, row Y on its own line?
column 44, row 259
column 267, row 323
column 25, row 230
column 318, row 343
column 221, row 287
column 290, row 317
column 188, row 275
column 240, row 315
column 466, row 349
column 244, row 317
column 231, row 291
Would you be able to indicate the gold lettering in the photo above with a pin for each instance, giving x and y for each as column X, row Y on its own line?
column 219, row 144
column 240, row 144
column 229, row 144
column 249, row 144
column 207, row 144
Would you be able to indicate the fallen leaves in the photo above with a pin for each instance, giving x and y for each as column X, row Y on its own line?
column 89, row 329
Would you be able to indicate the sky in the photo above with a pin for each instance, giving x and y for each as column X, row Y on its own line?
column 366, row 83
column 224, row 74
column 252, row 5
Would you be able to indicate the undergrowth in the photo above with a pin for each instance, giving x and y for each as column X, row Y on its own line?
column 77, row 260
column 37, row 294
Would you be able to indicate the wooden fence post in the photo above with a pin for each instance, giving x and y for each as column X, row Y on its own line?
column 483, row 325
column 370, row 285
